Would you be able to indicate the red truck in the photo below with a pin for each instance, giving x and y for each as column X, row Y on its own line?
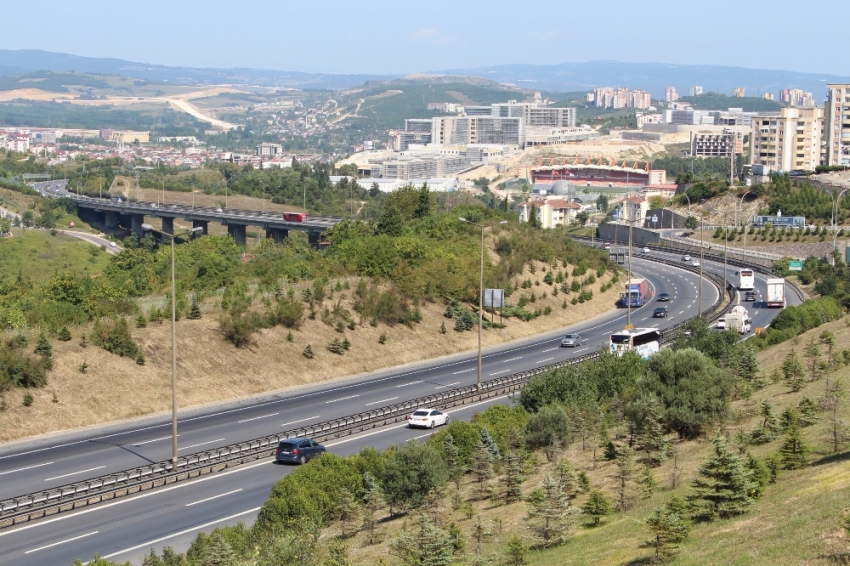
column 295, row 216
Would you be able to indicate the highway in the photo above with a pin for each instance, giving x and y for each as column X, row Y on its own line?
column 115, row 527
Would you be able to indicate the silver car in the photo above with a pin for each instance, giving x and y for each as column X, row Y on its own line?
column 571, row 341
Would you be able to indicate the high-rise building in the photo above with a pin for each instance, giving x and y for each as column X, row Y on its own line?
column 788, row 140
column 711, row 144
column 837, row 125
column 739, row 92
column 670, row 94
column 768, row 96
column 534, row 114
column 696, row 90
column 796, row 97
column 622, row 97
column 465, row 130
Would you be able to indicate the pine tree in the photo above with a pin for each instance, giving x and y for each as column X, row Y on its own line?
column 770, row 425
column 140, row 358
column 443, row 327
column 195, row 310
column 516, row 552
column 335, row 346
column 348, row 513
column 43, row 348
column 724, row 486
column 596, row 507
column 551, row 514
column 761, row 475
column 373, row 501
column 513, row 478
column 647, row 423
column 647, row 482
column 625, row 477
column 832, row 402
column 583, row 482
column 746, row 364
column 452, row 456
column 669, row 527
column 427, row 545
column 794, row 452
column 308, row 352
column 141, row 321
column 808, row 412
column 566, row 475
column 792, row 371
column 482, row 469
column 491, row 445
column 812, row 352
column 827, row 338
column 64, row 334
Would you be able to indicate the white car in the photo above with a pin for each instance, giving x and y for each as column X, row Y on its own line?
column 113, row 245
column 645, row 250
column 686, row 258
column 721, row 323
column 695, row 263
column 427, row 418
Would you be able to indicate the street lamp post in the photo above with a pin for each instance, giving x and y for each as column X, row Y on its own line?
column 149, row 228
column 662, row 214
column 834, row 219
column 744, row 225
column 480, row 292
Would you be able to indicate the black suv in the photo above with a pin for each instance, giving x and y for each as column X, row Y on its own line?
column 750, row 296
column 660, row 312
column 297, row 450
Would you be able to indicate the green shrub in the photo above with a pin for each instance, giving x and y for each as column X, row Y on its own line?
column 114, row 337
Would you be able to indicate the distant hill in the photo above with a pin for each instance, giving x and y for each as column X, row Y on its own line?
column 13, row 62
column 654, row 77
column 717, row 101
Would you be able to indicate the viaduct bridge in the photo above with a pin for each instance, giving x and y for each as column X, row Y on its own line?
column 133, row 214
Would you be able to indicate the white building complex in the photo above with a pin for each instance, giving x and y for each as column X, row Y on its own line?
column 837, row 125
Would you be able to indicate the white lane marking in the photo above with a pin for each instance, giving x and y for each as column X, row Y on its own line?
column 75, row 473
column 447, row 385
column 550, row 349
column 544, row 361
column 503, row 371
column 199, row 527
column 201, row 444
column 27, row 468
column 257, row 418
column 512, row 359
column 301, row 421
column 422, row 436
column 342, row 399
column 61, row 542
column 154, row 440
column 457, row 372
column 382, row 401
column 411, row 383
column 127, row 500
column 330, row 445
column 582, row 350
column 682, row 312
column 213, row 497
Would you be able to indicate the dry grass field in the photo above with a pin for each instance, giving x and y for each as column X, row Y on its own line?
column 211, row 370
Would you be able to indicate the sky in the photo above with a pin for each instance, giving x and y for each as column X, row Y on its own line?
column 402, row 36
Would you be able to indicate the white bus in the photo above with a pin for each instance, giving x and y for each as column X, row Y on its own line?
column 643, row 341
column 746, row 280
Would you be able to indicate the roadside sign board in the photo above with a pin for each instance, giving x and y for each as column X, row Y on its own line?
column 795, row 265
column 654, row 219
column 494, row 298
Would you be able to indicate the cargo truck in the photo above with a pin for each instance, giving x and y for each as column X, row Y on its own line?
column 738, row 319
column 635, row 293
column 776, row 293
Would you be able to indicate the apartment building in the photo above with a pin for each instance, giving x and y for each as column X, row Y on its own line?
column 796, row 97
column 712, row 144
column 622, row 97
column 536, row 136
column 739, row 92
column 449, row 107
column 465, row 130
column 768, row 96
column 790, row 139
column 550, row 212
column 696, row 90
column 837, row 125
column 670, row 94
column 269, row 150
column 534, row 114
column 419, row 167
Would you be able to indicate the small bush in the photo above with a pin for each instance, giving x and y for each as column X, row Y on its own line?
column 382, row 339
column 28, row 399
column 114, row 337
column 308, row 352
column 64, row 334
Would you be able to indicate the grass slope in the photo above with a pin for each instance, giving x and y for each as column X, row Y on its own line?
column 36, row 255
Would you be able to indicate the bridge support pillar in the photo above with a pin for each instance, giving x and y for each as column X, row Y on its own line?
column 237, row 232
column 110, row 219
column 168, row 225
column 278, row 234
column 315, row 238
column 136, row 221
column 201, row 224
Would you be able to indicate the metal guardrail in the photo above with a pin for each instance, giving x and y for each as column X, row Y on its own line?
column 25, row 508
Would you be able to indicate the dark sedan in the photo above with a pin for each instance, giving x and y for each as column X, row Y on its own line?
column 297, row 450
column 660, row 312
column 664, row 297
column 750, row 296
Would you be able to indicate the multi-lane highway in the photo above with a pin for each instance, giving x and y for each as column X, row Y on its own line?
column 128, row 528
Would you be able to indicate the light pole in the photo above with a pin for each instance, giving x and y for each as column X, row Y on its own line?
column 480, row 292
column 149, row 228
column 744, row 225
column 662, row 214
column 631, row 222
